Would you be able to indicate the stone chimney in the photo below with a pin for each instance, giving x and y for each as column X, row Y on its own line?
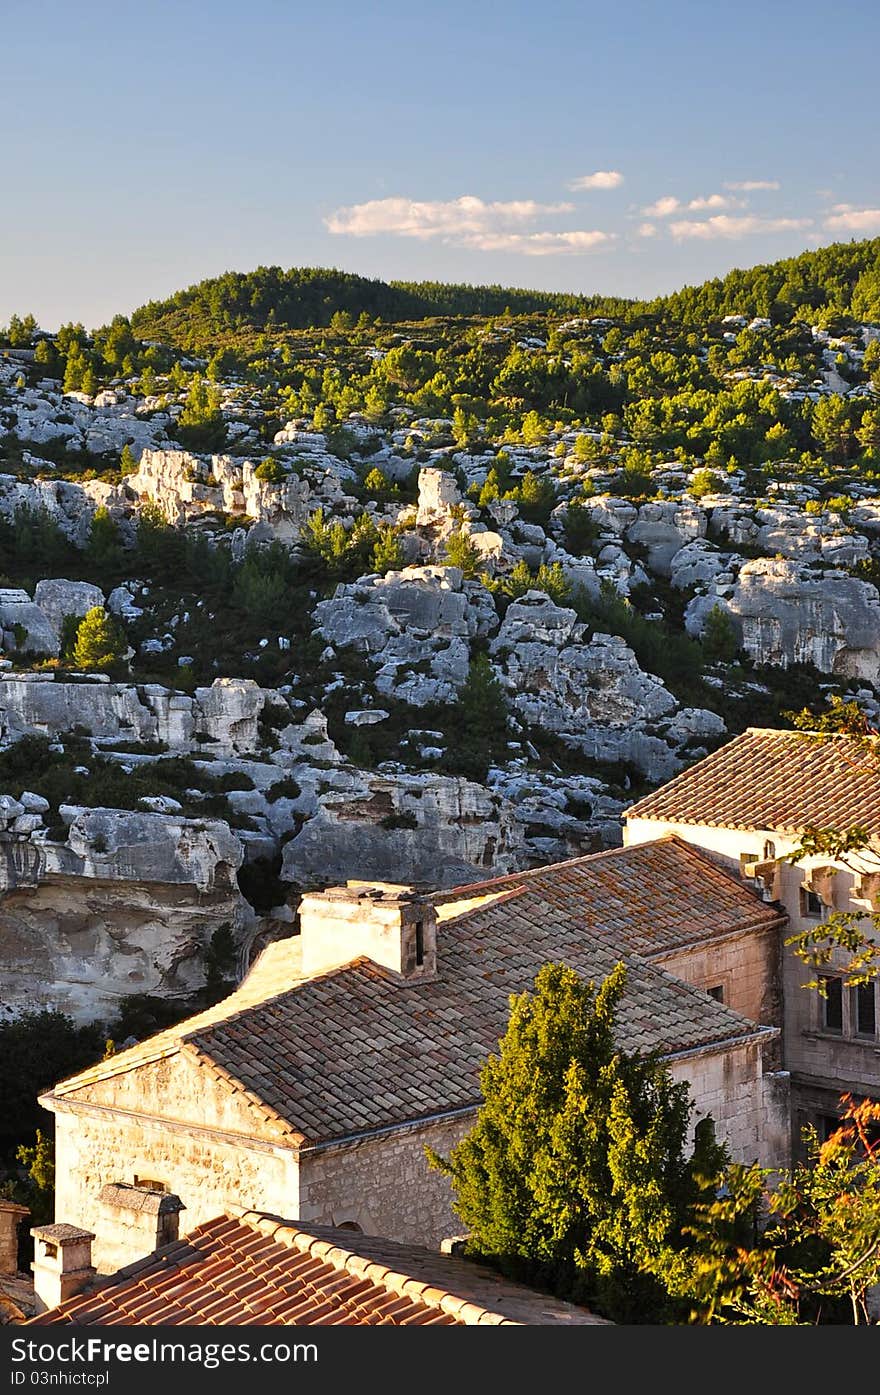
column 137, row 1220
column 393, row 925
column 11, row 1216
column 62, row 1263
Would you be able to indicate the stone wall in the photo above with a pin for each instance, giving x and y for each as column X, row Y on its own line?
column 207, row 1172
column 745, row 967
column 822, row 1064
column 728, row 1084
column 384, row 1184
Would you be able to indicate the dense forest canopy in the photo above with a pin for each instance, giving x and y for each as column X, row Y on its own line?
column 843, row 278
column 308, row 297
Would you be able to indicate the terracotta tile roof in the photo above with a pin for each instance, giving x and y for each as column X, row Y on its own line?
column 782, row 781
column 651, row 898
column 260, row 1270
column 358, row 1049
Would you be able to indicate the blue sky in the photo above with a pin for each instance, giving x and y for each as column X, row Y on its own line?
column 565, row 144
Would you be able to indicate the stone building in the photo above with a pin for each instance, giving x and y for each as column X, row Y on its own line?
column 748, row 806
column 313, row 1090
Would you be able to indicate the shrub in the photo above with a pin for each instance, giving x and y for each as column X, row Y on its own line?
column 270, row 471
column 99, row 640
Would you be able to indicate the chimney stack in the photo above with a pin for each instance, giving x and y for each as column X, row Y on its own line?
column 62, row 1263
column 394, row 926
column 11, row 1216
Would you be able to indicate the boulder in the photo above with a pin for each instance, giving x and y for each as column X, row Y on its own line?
column 663, row 528
column 58, row 597
column 425, row 830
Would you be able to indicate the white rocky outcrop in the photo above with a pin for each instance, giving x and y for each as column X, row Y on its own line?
column 24, row 626
column 221, row 719
column 126, row 904
column 588, row 690
column 663, row 528
column 186, row 485
column 58, row 597
column 71, row 505
column 422, row 829
column 414, row 625
column 787, row 613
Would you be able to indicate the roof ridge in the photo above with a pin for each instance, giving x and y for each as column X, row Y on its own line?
column 455, row 892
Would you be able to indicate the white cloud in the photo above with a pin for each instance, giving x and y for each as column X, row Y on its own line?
column 468, row 222
column 715, row 201
column 669, row 204
column 723, row 225
column 453, row 218
column 599, row 179
column 541, row 244
column 647, row 230
column 747, row 186
column 663, row 208
column 845, row 218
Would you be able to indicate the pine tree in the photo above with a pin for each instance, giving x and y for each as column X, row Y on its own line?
column 719, row 637
column 575, row 1175
column 481, row 723
column 104, row 549
column 200, row 425
column 99, row 643
column 387, row 553
column 461, row 553
column 127, row 463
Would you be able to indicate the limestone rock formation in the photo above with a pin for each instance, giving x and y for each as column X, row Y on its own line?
column 126, row 905
column 420, row 829
column 787, row 613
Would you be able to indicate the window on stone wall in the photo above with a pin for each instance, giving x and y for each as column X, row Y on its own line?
column 149, row 1184
column 769, row 850
column 812, row 906
column 863, row 1005
column 744, row 858
column 717, row 992
column 832, row 1004
column 826, row 1125
column 420, row 942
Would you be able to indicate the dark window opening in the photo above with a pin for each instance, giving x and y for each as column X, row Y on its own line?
column 149, row 1184
column 865, row 1010
column 351, row 1225
column 832, row 1004
column 420, row 942
column 769, row 850
column 744, row 859
column 717, row 992
column 811, row 904
column 828, row 1124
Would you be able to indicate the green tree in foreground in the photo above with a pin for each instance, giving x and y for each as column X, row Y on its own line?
column 817, row 1256
column 575, row 1175
column 99, row 641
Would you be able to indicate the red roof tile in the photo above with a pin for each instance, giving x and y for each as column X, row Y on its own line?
column 346, row 1285
column 778, row 781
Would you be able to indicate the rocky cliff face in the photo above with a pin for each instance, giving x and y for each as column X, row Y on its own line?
column 591, row 690
column 126, row 905
column 226, row 715
column 788, row 613
column 421, row 829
